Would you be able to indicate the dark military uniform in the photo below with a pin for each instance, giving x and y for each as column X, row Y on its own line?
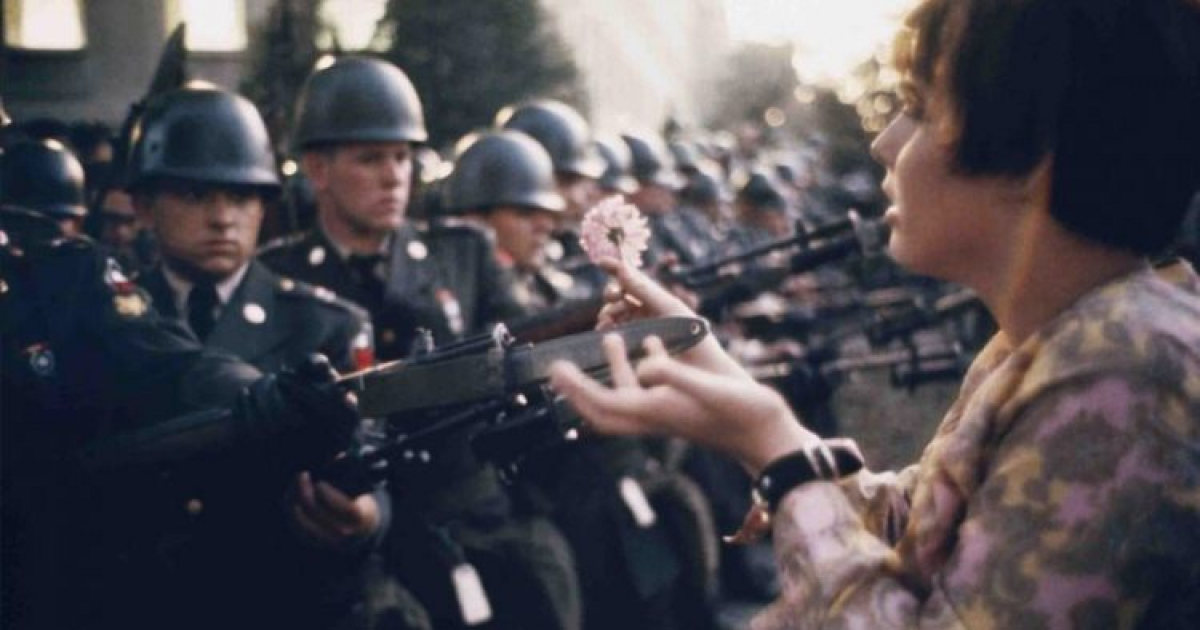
column 444, row 280
column 85, row 356
column 274, row 322
column 546, row 287
column 450, row 512
column 565, row 254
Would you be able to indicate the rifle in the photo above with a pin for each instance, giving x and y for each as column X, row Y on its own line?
column 817, row 246
column 910, row 367
column 169, row 74
column 743, row 275
column 492, row 387
column 920, row 315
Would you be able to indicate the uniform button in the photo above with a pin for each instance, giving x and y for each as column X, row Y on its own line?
column 287, row 284
column 194, row 507
column 3, row 287
column 254, row 313
column 387, row 336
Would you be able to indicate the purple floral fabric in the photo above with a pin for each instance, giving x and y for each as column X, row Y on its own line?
column 1062, row 489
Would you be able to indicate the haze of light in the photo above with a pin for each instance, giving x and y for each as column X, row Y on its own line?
column 831, row 36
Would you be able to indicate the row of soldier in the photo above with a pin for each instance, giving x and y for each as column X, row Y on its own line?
column 600, row 533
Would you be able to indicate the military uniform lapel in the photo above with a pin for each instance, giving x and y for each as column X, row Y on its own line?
column 329, row 270
column 403, row 274
column 251, row 323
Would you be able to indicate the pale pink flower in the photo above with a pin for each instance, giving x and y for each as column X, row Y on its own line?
column 615, row 229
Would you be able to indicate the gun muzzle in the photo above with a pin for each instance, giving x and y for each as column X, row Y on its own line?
column 819, row 246
column 920, row 317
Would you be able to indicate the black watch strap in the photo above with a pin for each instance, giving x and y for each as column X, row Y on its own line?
column 828, row 461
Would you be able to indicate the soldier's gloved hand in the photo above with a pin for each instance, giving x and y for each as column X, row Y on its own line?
column 301, row 407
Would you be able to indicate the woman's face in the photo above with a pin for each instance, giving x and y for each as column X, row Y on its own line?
column 943, row 223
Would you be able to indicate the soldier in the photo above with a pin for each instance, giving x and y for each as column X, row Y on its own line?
column 115, row 224
column 578, row 166
column 43, row 175
column 204, row 196
column 357, row 123
column 638, row 532
column 86, row 357
column 762, row 211
column 656, row 196
column 505, row 181
column 616, row 179
column 454, row 540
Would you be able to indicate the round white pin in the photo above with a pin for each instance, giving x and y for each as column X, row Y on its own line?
column 254, row 314
column 316, row 256
column 417, row 250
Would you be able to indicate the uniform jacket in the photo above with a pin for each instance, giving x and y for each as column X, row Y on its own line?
column 273, row 322
column 237, row 537
column 85, row 356
column 444, row 280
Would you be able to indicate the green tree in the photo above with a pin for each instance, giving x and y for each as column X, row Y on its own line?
column 282, row 54
column 469, row 58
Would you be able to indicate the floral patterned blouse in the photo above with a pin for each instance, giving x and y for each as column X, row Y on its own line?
column 1062, row 489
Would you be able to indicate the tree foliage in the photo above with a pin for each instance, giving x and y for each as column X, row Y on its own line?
column 755, row 77
column 469, row 58
column 283, row 51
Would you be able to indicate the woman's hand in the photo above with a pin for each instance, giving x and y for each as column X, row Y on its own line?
column 636, row 296
column 728, row 412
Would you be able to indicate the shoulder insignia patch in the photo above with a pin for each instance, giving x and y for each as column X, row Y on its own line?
column 130, row 305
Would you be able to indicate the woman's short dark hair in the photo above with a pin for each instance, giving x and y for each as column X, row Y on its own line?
column 1109, row 88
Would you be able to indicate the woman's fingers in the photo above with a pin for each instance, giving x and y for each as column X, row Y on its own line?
column 654, row 347
column 652, row 300
column 618, row 363
column 605, row 410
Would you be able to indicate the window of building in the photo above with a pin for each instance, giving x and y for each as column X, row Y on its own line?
column 44, row 24
column 212, row 25
column 352, row 22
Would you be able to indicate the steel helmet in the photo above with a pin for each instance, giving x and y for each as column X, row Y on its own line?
column 202, row 134
column 504, row 168
column 43, row 176
column 358, row 99
column 560, row 130
column 651, row 163
column 617, row 161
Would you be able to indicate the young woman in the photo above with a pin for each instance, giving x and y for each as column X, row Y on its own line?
column 1048, row 151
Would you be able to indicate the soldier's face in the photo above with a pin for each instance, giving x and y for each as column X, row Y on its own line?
column 118, row 219
column 580, row 193
column 653, row 199
column 204, row 232
column 522, row 233
column 362, row 187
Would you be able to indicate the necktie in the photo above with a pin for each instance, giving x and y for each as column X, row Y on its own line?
column 202, row 309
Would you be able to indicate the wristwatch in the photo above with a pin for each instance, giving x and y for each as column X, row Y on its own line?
column 828, row 460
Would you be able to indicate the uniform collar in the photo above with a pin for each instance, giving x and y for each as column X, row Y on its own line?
column 344, row 253
column 181, row 286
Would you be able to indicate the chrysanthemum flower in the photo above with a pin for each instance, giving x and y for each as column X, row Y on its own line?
column 613, row 228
